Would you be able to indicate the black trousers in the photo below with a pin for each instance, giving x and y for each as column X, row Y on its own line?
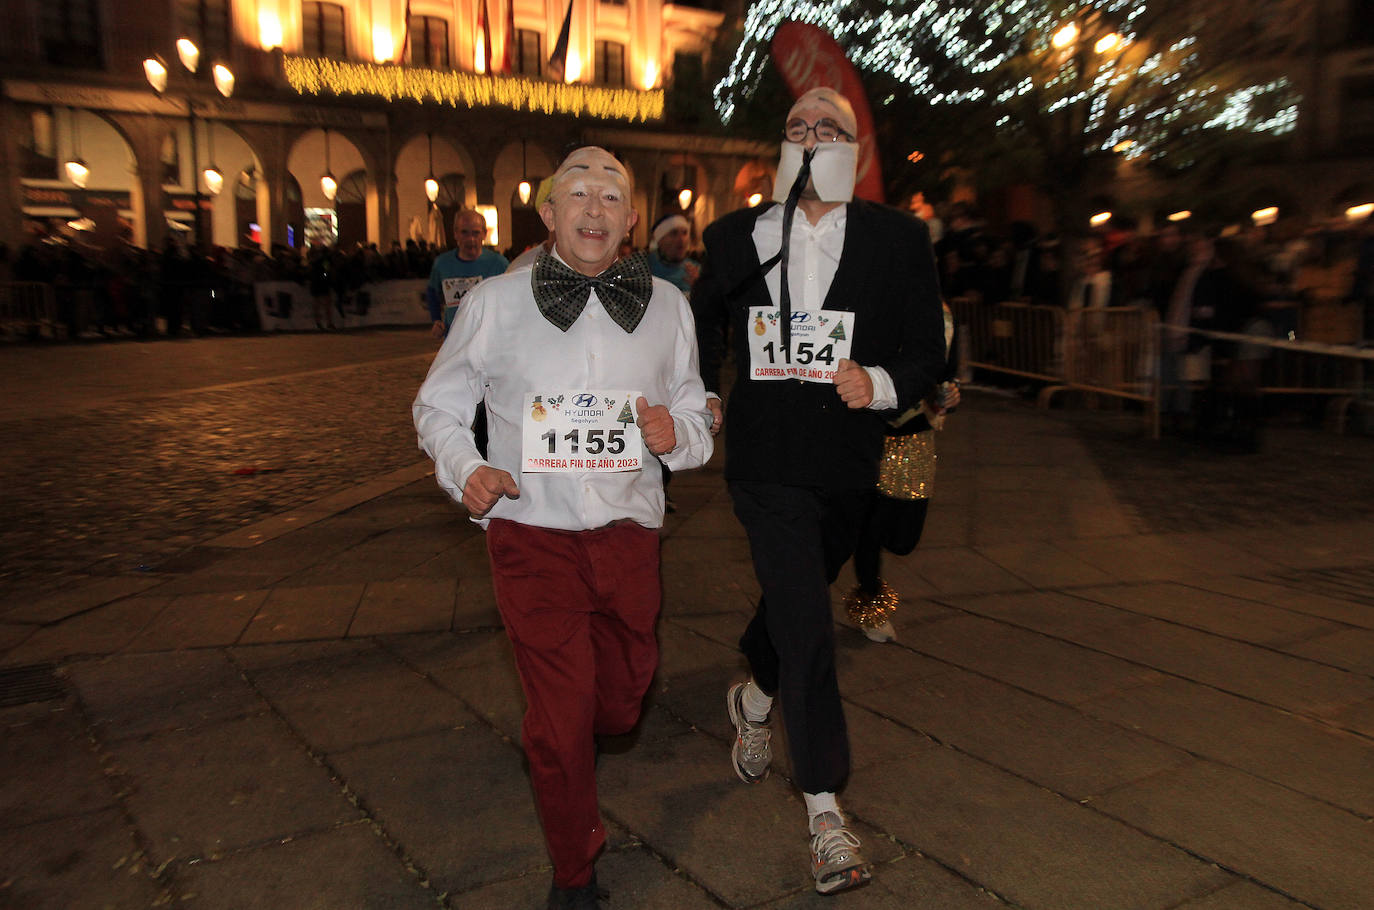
column 799, row 538
column 894, row 525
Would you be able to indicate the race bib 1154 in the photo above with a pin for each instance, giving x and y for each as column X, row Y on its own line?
column 580, row 431
column 819, row 339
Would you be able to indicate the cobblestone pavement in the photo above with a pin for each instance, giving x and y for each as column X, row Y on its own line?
column 1084, row 709
column 1301, row 475
column 130, row 480
column 104, row 477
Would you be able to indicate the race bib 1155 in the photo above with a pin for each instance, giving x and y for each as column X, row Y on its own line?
column 580, row 431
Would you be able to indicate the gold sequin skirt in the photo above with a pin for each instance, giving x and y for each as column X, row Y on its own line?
column 907, row 470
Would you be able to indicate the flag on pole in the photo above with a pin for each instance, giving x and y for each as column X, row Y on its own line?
column 559, row 61
column 507, row 61
column 484, row 61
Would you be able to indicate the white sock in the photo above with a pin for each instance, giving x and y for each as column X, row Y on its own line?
column 756, row 703
column 817, row 803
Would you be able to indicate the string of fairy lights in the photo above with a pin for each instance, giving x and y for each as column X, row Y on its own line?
column 1135, row 89
column 319, row 76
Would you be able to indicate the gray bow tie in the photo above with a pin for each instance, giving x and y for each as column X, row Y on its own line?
column 624, row 290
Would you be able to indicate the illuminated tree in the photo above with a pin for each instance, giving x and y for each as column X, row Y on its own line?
column 1051, row 92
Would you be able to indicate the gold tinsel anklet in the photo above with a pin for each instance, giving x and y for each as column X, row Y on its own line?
column 869, row 611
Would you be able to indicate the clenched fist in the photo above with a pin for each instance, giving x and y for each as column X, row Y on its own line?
column 485, row 486
column 854, row 384
column 717, row 414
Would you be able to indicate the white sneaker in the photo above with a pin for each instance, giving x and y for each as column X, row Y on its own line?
column 751, row 753
column 881, row 633
column 871, row 611
column 836, row 862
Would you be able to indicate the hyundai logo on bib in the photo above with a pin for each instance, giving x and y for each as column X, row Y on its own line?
column 584, row 400
column 800, row 316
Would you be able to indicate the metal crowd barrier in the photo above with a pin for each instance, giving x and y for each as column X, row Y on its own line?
column 1016, row 339
column 27, row 308
column 1115, row 352
column 1111, row 351
column 1343, row 374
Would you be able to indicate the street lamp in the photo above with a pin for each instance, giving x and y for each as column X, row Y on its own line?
column 685, row 193
column 156, row 72
column 224, row 79
column 188, row 53
column 158, row 76
column 328, row 185
column 431, row 185
column 214, row 180
column 77, row 171
column 524, row 189
column 1065, row 36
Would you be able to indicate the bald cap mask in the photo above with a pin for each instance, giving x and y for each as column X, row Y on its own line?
column 590, row 161
column 834, row 105
column 835, row 164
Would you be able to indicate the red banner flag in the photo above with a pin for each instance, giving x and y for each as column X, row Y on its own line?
column 486, row 37
column 507, row 58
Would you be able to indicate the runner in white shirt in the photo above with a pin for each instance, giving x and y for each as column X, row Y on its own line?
column 588, row 367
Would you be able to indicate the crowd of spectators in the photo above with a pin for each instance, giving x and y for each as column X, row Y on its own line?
column 177, row 290
column 1206, row 286
column 1279, row 269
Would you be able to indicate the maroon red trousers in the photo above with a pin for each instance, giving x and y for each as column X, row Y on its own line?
column 580, row 608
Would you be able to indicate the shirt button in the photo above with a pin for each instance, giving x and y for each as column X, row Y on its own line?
column 811, row 276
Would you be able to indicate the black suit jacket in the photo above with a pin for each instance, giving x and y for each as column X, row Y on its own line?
column 801, row 433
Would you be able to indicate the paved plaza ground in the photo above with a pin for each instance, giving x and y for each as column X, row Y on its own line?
column 249, row 658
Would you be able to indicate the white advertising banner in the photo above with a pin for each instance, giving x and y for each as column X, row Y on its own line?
column 285, row 306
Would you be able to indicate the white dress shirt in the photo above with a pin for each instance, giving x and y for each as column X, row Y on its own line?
column 812, row 262
column 501, row 347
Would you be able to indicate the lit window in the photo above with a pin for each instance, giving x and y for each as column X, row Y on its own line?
column 69, row 32
column 610, row 63
column 427, row 42
column 37, row 152
column 527, row 58
column 206, row 22
column 1357, row 107
column 322, row 30
column 171, row 160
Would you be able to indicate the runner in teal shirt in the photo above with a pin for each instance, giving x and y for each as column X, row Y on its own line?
column 458, row 271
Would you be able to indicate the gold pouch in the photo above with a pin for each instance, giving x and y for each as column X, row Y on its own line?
column 907, row 470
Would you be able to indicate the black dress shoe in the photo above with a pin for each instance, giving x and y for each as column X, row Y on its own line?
column 588, row 897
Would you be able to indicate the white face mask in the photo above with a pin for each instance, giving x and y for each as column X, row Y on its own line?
column 833, row 169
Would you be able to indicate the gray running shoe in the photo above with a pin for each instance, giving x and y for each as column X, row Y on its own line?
column 751, row 752
column 836, row 861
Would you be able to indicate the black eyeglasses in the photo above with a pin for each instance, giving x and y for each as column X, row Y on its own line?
column 826, row 130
